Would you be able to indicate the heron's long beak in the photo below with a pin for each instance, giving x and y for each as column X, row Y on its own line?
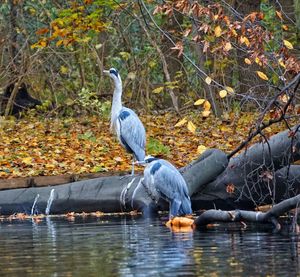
column 140, row 163
column 106, row 72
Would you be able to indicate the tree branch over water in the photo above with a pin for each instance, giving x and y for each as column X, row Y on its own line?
column 260, row 124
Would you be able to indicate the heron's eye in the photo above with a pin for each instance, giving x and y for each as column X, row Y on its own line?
column 114, row 71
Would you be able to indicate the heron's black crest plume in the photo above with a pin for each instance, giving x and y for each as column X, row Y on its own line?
column 114, row 71
column 150, row 159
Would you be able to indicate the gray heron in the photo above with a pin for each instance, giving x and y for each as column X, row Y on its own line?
column 125, row 123
column 163, row 180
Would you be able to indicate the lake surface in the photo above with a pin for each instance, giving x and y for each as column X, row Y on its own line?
column 134, row 246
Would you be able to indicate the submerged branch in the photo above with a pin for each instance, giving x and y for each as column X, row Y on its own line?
column 271, row 216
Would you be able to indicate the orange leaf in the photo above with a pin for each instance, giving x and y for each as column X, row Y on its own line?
column 42, row 31
column 207, row 105
column 230, row 188
column 279, row 15
column 179, row 47
column 247, row 61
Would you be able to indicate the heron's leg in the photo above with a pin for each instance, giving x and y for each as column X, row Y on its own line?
column 132, row 171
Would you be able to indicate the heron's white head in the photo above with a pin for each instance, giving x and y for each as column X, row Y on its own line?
column 113, row 73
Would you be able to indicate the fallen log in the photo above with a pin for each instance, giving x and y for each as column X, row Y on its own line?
column 106, row 194
column 249, row 179
column 271, row 216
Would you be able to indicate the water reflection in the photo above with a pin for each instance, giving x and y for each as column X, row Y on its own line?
column 133, row 246
column 155, row 251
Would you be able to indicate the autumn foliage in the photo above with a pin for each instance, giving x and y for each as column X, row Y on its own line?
column 34, row 146
column 232, row 66
column 219, row 33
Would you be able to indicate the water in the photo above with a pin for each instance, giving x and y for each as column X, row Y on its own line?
column 133, row 246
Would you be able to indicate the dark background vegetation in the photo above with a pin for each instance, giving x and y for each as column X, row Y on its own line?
column 59, row 49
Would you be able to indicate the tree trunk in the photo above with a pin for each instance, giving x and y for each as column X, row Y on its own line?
column 174, row 63
column 13, row 35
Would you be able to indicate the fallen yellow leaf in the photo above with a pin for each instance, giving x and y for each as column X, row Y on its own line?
column 27, row 160
column 281, row 63
column 245, row 40
column 287, row 44
column 205, row 113
column 191, row 127
column 199, row 102
column 208, row 80
column 227, row 46
column 201, row 149
column 181, row 122
column 223, row 93
column 218, row 31
column 257, row 60
column 229, row 89
column 262, row 75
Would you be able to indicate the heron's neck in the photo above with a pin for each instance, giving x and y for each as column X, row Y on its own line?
column 117, row 101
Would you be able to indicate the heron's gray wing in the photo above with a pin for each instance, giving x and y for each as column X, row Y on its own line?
column 168, row 182
column 132, row 133
column 149, row 183
column 164, row 181
column 172, row 185
column 179, row 177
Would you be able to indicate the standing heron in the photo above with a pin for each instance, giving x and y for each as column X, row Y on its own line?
column 163, row 180
column 125, row 123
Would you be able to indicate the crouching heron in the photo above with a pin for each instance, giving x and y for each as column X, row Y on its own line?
column 163, row 180
column 125, row 123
